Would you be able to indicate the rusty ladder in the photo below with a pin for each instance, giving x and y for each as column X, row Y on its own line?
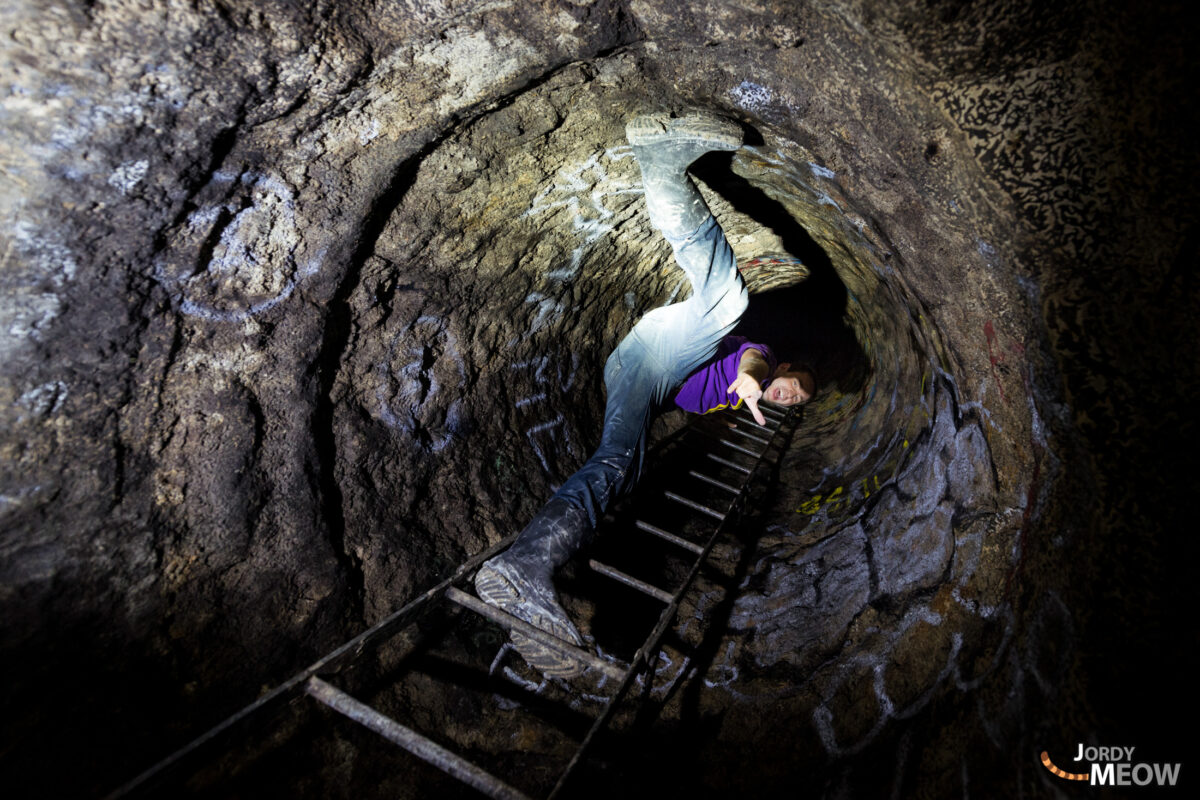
column 729, row 444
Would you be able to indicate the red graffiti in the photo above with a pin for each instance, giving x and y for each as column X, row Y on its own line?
column 990, row 333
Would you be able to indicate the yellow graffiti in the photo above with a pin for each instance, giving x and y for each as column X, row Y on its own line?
column 810, row 506
column 839, row 497
column 833, row 500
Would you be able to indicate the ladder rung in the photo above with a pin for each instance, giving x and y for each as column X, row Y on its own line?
column 630, row 581
column 750, row 435
column 739, row 448
column 703, row 509
column 731, row 464
column 522, row 627
column 670, row 537
column 420, row 746
column 716, row 436
column 740, row 417
column 713, row 481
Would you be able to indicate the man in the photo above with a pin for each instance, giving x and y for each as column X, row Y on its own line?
column 681, row 345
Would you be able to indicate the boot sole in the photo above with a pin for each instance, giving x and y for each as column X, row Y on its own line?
column 718, row 132
column 496, row 590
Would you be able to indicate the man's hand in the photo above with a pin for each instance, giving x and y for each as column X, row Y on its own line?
column 747, row 388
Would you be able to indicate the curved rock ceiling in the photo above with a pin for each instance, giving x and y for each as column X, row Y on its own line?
column 305, row 303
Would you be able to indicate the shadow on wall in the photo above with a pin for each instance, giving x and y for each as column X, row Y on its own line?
column 804, row 323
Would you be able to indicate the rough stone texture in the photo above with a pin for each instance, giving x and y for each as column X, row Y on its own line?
column 303, row 302
column 804, row 604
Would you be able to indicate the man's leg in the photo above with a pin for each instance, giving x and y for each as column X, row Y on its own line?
column 685, row 335
column 668, row 343
column 638, row 378
column 519, row 580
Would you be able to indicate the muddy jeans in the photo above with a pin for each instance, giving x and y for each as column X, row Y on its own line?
column 663, row 349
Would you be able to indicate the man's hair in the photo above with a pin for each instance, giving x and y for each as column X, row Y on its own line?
column 812, row 374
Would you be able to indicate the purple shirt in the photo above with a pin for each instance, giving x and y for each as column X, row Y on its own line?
column 705, row 389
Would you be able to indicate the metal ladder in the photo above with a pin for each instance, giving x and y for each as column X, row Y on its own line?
column 738, row 446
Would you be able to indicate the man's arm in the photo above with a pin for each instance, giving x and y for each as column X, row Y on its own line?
column 752, row 371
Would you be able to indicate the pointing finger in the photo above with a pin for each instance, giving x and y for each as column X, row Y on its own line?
column 752, row 404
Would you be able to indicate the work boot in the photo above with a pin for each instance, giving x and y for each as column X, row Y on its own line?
column 518, row 581
column 665, row 147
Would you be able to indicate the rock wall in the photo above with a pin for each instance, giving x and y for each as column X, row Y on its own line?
column 303, row 303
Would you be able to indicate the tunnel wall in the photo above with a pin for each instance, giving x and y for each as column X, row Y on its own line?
column 305, row 302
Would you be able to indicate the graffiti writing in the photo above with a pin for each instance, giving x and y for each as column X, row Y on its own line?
column 550, row 385
column 412, row 392
column 242, row 254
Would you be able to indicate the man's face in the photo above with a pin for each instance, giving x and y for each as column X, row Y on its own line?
column 790, row 388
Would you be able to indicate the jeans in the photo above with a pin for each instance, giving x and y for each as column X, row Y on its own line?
column 663, row 349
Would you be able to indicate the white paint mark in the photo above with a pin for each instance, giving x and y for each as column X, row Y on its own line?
column 32, row 316
column 821, row 172
column 128, row 175
column 554, row 388
column 499, row 657
column 569, row 381
column 662, row 689
column 13, row 501
column 533, row 398
column 545, row 426
column 370, row 133
column 410, row 394
column 548, row 309
column 44, row 400
column 541, row 362
column 723, row 672
column 253, row 255
column 752, row 96
column 584, row 190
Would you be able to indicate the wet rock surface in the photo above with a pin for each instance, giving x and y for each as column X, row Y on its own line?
column 304, row 303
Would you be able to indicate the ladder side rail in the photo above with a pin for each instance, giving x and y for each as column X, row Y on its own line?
column 651, row 645
column 420, row 746
column 293, row 686
column 305, row 680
